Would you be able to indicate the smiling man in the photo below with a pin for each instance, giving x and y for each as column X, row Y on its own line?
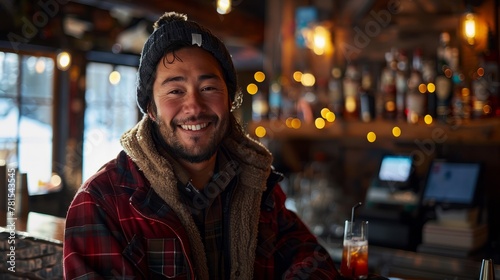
column 191, row 196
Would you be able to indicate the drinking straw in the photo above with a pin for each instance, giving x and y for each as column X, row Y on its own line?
column 352, row 211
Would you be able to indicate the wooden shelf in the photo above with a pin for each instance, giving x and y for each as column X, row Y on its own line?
column 481, row 131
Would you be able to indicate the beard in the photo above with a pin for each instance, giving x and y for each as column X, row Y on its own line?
column 202, row 150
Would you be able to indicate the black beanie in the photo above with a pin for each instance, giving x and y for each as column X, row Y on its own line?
column 171, row 28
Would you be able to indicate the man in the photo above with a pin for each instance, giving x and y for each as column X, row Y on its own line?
column 190, row 196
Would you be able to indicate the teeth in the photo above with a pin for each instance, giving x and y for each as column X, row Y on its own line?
column 194, row 127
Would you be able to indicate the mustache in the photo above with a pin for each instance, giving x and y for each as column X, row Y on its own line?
column 199, row 118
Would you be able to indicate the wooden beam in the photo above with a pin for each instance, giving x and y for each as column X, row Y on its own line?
column 237, row 25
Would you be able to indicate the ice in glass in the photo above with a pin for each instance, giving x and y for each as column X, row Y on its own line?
column 354, row 263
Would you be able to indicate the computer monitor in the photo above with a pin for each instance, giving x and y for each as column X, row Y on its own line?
column 452, row 184
column 395, row 171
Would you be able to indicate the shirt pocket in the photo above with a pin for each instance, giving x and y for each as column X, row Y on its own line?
column 165, row 257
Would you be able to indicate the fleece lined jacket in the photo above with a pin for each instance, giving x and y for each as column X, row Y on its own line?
column 128, row 221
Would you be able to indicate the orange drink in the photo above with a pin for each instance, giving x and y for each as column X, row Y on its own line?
column 354, row 263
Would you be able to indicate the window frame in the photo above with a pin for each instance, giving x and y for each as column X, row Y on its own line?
column 57, row 145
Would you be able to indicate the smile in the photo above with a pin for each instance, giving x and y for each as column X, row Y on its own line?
column 194, row 127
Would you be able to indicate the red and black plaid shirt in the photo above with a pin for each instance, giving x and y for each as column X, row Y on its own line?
column 210, row 213
column 118, row 227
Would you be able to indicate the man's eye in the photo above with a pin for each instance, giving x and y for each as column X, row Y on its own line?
column 209, row 88
column 175, row 91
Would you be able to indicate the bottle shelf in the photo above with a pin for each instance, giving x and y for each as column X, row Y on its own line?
column 480, row 131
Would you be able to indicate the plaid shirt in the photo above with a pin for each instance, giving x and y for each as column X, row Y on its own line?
column 210, row 218
column 118, row 227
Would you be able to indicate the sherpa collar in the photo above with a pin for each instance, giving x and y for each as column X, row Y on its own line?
column 255, row 165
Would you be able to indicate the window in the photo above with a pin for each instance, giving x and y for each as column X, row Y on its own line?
column 111, row 109
column 26, row 107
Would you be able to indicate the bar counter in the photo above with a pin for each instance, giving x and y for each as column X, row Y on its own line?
column 402, row 264
column 39, row 239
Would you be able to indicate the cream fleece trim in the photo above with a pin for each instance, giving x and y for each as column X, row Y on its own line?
column 255, row 162
column 255, row 165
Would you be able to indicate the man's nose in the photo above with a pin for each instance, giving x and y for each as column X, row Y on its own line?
column 193, row 102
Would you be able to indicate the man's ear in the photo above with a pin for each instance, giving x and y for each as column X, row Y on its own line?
column 151, row 113
column 151, row 116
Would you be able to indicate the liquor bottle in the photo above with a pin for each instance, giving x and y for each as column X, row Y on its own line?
column 388, row 86
column 458, row 103
column 401, row 84
column 488, row 60
column 444, row 50
column 335, row 92
column 275, row 100
column 443, row 81
column 429, row 77
column 351, row 84
column 366, row 98
column 492, row 67
column 415, row 99
column 444, row 94
column 480, row 94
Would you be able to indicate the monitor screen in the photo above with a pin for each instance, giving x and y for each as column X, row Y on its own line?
column 451, row 183
column 395, row 168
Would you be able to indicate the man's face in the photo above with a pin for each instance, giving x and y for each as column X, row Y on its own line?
column 192, row 103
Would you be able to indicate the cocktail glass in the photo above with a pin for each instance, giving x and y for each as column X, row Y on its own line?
column 354, row 263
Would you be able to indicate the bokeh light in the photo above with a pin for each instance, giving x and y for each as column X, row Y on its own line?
column 428, row 119
column 259, row 76
column 396, row 131
column 319, row 123
column 260, row 131
column 371, row 136
column 252, row 88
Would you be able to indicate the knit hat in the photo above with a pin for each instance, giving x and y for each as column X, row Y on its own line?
column 172, row 28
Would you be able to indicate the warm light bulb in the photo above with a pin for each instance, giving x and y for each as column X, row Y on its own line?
column 114, row 77
column 223, row 6
column 320, row 40
column 63, row 61
column 470, row 28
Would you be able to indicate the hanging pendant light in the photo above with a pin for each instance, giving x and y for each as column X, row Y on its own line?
column 469, row 27
column 224, row 6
